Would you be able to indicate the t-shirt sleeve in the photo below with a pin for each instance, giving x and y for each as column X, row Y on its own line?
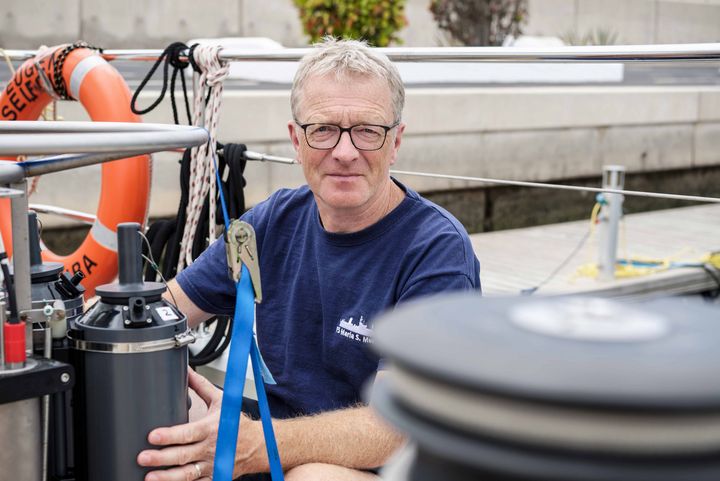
column 206, row 281
column 444, row 263
column 434, row 285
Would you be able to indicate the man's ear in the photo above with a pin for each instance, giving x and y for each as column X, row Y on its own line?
column 293, row 130
column 396, row 142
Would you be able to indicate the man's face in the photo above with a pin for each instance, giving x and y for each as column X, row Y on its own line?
column 345, row 178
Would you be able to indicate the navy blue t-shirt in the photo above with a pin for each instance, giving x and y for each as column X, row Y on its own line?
column 322, row 291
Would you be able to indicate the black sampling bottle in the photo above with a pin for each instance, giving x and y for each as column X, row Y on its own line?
column 130, row 354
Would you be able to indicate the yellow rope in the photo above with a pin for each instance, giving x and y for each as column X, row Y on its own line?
column 712, row 259
column 628, row 267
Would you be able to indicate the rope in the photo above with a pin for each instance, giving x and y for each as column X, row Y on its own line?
column 59, row 62
column 164, row 235
column 8, row 61
column 202, row 169
column 638, row 266
column 171, row 57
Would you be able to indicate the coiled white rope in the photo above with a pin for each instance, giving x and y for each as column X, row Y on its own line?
column 202, row 166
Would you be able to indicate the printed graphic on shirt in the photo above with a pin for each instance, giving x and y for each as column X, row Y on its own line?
column 355, row 328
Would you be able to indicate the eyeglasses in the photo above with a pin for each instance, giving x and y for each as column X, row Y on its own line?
column 363, row 136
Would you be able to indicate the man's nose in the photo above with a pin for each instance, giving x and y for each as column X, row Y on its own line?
column 345, row 150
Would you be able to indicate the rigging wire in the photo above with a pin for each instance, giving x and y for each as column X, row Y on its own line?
column 545, row 185
column 256, row 156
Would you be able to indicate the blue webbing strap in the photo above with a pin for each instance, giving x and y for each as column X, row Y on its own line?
column 243, row 344
column 235, row 379
column 276, row 471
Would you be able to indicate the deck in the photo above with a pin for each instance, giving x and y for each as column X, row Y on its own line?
column 517, row 259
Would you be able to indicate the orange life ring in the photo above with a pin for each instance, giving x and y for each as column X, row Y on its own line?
column 125, row 185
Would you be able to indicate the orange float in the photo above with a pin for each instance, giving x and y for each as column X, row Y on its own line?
column 125, row 184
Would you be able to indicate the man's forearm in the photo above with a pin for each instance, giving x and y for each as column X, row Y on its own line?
column 353, row 437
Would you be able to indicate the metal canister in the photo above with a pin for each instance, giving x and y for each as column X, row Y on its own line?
column 130, row 354
column 22, row 388
column 562, row 389
column 51, row 286
column 49, row 283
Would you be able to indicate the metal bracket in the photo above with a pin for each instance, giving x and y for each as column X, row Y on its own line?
column 47, row 313
column 241, row 249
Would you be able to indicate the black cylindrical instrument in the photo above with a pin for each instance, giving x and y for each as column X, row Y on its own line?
column 130, row 353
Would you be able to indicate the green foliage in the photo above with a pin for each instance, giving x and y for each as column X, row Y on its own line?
column 376, row 21
column 479, row 22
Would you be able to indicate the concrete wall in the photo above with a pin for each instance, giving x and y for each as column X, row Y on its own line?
column 536, row 134
column 634, row 21
column 143, row 24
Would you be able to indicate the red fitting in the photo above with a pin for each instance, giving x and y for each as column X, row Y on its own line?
column 14, row 343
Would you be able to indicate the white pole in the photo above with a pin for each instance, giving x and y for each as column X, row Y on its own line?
column 609, row 221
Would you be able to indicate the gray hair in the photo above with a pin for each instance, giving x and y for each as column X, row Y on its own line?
column 344, row 58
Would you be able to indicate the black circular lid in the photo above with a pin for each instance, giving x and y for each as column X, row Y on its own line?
column 108, row 323
column 134, row 289
column 591, row 353
column 44, row 272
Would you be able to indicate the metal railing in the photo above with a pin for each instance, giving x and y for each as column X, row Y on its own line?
column 571, row 54
column 91, row 143
column 611, row 53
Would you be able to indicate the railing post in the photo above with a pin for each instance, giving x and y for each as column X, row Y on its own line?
column 609, row 220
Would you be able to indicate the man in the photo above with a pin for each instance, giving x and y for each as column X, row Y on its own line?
column 333, row 255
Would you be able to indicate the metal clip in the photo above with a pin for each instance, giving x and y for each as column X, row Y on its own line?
column 45, row 81
column 184, row 338
column 241, row 249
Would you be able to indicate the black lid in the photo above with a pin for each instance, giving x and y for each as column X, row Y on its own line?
column 109, row 323
column 570, row 351
column 130, row 277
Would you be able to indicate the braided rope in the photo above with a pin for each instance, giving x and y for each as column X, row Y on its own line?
column 202, row 167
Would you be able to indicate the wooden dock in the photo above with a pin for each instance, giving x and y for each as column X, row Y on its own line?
column 518, row 259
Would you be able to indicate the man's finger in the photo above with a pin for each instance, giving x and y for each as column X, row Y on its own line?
column 172, row 456
column 187, row 472
column 180, row 434
column 205, row 389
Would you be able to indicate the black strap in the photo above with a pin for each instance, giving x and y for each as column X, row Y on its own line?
column 165, row 235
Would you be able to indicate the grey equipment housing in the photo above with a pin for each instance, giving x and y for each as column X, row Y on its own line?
column 130, row 354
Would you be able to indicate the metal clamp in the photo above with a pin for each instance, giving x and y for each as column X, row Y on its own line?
column 47, row 313
column 179, row 340
column 185, row 338
column 241, row 249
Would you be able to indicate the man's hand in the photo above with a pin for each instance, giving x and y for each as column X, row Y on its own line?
column 191, row 446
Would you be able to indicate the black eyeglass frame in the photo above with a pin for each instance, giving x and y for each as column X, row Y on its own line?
column 386, row 128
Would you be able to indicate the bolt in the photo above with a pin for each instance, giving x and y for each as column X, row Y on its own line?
column 47, row 310
column 125, row 308
column 65, row 378
column 127, row 322
column 147, row 308
column 148, row 321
